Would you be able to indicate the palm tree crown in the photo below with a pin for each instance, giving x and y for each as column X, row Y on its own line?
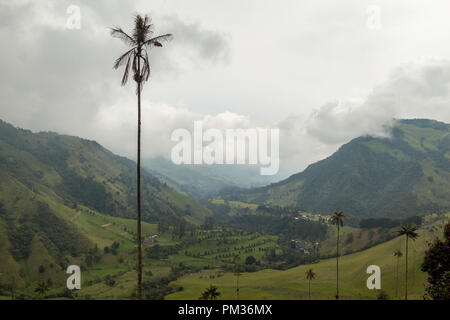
column 338, row 218
column 210, row 293
column 41, row 288
column 140, row 41
column 398, row 254
column 310, row 275
column 409, row 231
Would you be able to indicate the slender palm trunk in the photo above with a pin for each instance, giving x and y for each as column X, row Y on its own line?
column 309, row 289
column 237, row 287
column 337, row 263
column 406, row 273
column 396, row 284
column 139, row 287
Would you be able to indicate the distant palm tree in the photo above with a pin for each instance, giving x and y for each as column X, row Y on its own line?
column 310, row 275
column 410, row 233
column 136, row 58
column 338, row 219
column 210, row 293
column 42, row 288
column 237, row 273
column 397, row 254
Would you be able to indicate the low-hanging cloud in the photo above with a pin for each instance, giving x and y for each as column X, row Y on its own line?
column 414, row 90
column 62, row 80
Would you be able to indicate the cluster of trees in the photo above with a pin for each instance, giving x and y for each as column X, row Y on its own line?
column 437, row 265
column 177, row 226
column 387, row 223
column 93, row 256
column 56, row 233
column 57, row 236
column 113, row 249
column 284, row 227
column 86, row 191
column 161, row 252
column 158, row 288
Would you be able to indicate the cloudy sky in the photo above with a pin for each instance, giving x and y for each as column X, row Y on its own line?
column 323, row 72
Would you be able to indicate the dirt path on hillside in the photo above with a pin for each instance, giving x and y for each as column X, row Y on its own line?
column 76, row 215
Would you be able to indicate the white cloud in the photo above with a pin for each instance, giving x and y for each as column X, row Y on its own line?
column 232, row 65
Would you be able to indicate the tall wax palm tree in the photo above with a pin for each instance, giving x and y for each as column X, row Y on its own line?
column 237, row 273
column 310, row 275
column 338, row 219
column 410, row 233
column 141, row 40
column 397, row 254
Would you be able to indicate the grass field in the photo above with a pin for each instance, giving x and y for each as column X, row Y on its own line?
column 292, row 284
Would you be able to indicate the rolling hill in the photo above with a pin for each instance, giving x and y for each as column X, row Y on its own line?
column 63, row 199
column 406, row 174
column 292, row 283
column 78, row 171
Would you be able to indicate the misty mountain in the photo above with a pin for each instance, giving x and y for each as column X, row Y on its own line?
column 63, row 199
column 202, row 181
column 406, row 174
column 78, row 171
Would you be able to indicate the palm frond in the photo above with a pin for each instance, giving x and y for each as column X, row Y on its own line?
column 117, row 32
column 310, row 274
column 146, row 69
column 409, row 231
column 156, row 41
column 398, row 253
column 338, row 218
column 142, row 28
column 126, row 72
column 123, row 58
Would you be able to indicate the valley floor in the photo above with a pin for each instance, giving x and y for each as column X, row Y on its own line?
column 292, row 283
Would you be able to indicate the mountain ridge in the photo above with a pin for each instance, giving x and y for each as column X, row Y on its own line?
column 370, row 172
column 83, row 171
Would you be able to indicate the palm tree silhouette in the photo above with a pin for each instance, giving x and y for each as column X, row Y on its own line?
column 397, row 254
column 310, row 275
column 338, row 219
column 136, row 58
column 410, row 233
column 210, row 293
column 42, row 288
column 237, row 273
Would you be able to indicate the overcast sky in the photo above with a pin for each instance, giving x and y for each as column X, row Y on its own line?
column 323, row 72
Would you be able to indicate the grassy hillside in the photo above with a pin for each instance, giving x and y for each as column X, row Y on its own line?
column 40, row 237
column 63, row 200
column 292, row 284
column 406, row 174
column 81, row 172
